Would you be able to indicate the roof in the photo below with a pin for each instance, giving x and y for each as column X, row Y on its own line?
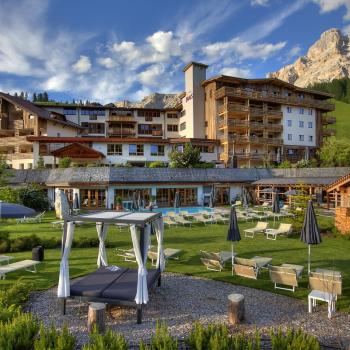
column 287, row 181
column 193, row 63
column 77, row 150
column 275, row 81
column 342, row 181
column 40, row 112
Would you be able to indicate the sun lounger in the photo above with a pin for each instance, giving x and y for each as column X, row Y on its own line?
column 218, row 218
column 180, row 220
column 283, row 229
column 326, row 288
column 201, row 218
column 169, row 253
column 215, row 261
column 37, row 218
column 167, row 221
column 127, row 254
column 28, row 265
column 285, row 275
column 5, row 258
column 250, row 268
column 259, row 227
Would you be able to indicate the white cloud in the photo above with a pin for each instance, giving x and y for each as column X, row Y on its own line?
column 259, row 2
column 83, row 65
column 56, row 83
column 331, row 5
column 152, row 75
column 236, row 72
column 107, row 62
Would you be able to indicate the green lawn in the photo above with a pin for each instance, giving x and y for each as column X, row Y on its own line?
column 332, row 253
column 342, row 113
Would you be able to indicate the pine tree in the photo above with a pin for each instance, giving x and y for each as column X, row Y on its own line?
column 16, row 95
column 40, row 97
column 26, row 95
column 45, row 97
column 35, row 99
column 22, row 95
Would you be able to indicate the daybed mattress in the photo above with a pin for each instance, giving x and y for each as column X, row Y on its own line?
column 119, row 285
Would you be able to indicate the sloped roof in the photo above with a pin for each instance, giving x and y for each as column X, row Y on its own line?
column 285, row 181
column 77, row 150
column 343, row 181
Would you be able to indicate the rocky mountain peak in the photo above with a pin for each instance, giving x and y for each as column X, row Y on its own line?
column 327, row 59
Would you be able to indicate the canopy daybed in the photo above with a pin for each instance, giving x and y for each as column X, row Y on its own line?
column 111, row 284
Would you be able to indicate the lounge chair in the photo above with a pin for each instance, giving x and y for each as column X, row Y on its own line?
column 180, row 220
column 5, row 258
column 272, row 233
column 28, row 265
column 201, row 218
column 277, row 216
column 258, row 215
column 169, row 253
column 127, row 254
column 215, row 261
column 250, row 268
column 259, row 227
column 285, row 275
column 37, row 218
column 325, row 287
column 167, row 221
column 219, row 218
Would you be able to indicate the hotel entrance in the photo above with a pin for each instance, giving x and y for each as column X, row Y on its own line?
column 92, row 199
column 166, row 196
column 222, row 195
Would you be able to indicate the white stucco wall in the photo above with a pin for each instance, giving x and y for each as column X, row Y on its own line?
column 56, row 129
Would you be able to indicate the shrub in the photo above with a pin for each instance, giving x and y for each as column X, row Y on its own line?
column 4, row 242
column 293, row 340
column 15, row 295
column 156, row 164
column 19, row 333
column 204, row 165
column 107, row 341
column 21, row 244
column 86, row 242
column 162, row 340
column 9, row 194
column 33, row 196
column 51, row 339
column 64, row 162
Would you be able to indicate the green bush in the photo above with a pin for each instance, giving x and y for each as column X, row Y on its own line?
column 19, row 333
column 33, row 196
column 162, row 340
column 204, row 165
column 293, row 340
column 16, row 294
column 5, row 242
column 9, row 194
column 51, row 339
column 86, row 242
column 107, row 341
column 156, row 164
column 8, row 313
column 24, row 243
column 64, row 162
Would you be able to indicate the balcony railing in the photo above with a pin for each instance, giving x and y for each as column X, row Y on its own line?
column 222, row 122
column 241, row 108
column 265, row 96
column 251, row 139
column 328, row 132
column 18, row 156
column 328, row 120
column 118, row 132
column 121, row 118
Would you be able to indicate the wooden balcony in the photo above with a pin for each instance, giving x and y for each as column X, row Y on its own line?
column 328, row 120
column 273, row 127
column 121, row 132
column 233, row 108
column 251, row 139
column 18, row 156
column 328, row 132
column 270, row 97
column 121, row 118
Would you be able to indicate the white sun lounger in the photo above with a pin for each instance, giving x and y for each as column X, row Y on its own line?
column 37, row 218
column 180, row 220
column 169, row 253
column 283, row 229
column 28, row 265
column 259, row 227
column 5, row 258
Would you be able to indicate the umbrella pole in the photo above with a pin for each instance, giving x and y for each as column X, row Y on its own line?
column 232, row 258
column 309, row 260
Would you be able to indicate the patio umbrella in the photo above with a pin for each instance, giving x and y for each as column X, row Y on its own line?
column 212, row 198
column 134, row 205
column 177, row 200
column 233, row 234
column 310, row 233
column 139, row 200
column 12, row 211
column 244, row 194
column 76, row 204
column 275, row 204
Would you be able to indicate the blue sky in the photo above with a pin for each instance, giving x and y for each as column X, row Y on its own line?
column 108, row 50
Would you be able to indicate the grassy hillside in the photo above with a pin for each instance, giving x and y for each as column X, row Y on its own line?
column 342, row 113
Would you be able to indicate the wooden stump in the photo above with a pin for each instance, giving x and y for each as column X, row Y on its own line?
column 235, row 308
column 97, row 317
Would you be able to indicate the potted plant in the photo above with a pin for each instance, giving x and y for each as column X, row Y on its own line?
column 119, row 203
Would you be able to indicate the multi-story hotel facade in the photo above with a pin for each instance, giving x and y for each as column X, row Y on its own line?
column 235, row 122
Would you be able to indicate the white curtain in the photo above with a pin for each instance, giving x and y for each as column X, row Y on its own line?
column 102, row 230
column 142, row 291
column 63, row 289
column 159, row 228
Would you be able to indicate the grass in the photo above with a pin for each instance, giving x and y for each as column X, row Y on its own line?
column 342, row 113
column 332, row 253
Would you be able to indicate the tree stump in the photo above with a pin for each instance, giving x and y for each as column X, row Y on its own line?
column 97, row 317
column 235, row 308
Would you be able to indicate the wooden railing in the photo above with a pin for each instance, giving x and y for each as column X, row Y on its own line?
column 328, row 132
column 121, row 118
column 327, row 119
column 17, row 156
column 265, row 96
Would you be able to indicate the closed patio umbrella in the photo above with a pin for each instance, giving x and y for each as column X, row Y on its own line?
column 76, row 204
column 310, row 233
column 233, row 234
column 245, row 199
column 212, row 198
column 177, row 200
column 12, row 211
column 139, row 200
column 275, row 204
column 134, row 205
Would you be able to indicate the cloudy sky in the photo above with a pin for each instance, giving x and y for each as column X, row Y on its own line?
column 107, row 50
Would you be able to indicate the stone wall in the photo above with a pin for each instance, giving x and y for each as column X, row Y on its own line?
column 342, row 219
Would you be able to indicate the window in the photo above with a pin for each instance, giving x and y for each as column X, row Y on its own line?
column 68, row 111
column 310, row 111
column 114, row 149
column 147, row 113
column 289, row 109
column 172, row 115
column 206, row 149
column 58, row 134
column 157, row 150
column 93, row 117
column 311, row 138
column 290, row 137
column 289, row 122
column 301, row 137
column 150, row 129
column 309, row 125
column 183, row 112
column 94, row 128
column 301, row 111
column 291, row 151
column 135, row 150
column 21, row 165
column 92, row 112
column 301, row 124
column 172, row 128
column 182, row 126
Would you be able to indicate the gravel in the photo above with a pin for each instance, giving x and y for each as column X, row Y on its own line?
column 182, row 300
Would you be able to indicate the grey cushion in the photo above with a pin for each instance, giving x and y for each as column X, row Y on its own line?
column 96, row 282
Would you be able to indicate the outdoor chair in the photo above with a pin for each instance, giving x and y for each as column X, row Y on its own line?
column 5, row 258
column 272, row 233
column 169, row 253
column 215, row 261
column 37, row 218
column 271, row 214
column 219, row 218
column 325, row 286
column 28, row 265
column 201, row 218
column 127, row 254
column 286, row 275
column 238, row 203
column 250, row 268
column 259, row 227
column 168, row 221
column 180, row 220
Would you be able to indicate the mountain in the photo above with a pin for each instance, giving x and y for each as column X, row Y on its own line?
column 327, row 59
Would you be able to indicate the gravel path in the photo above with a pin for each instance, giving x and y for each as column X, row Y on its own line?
column 181, row 300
